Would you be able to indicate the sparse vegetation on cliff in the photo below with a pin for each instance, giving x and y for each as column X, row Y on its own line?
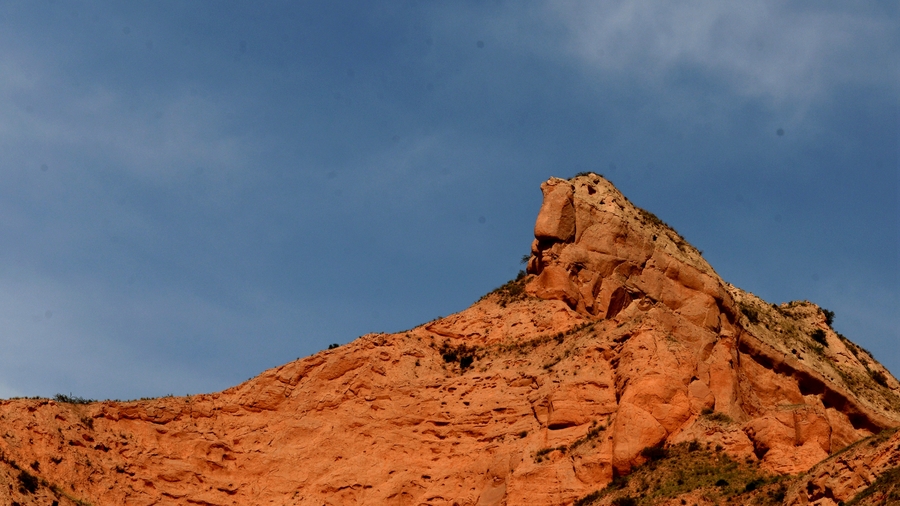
column 829, row 316
column 716, row 416
column 818, row 336
column 652, row 218
column 27, row 482
column 511, row 291
column 593, row 432
column 751, row 313
column 654, row 453
column 72, row 399
column 885, row 490
column 462, row 354
column 608, row 337
column 689, row 470
column 878, row 377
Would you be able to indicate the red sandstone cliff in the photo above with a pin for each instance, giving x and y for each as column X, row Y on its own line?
column 620, row 337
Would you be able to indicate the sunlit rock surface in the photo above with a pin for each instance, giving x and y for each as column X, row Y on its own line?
column 619, row 338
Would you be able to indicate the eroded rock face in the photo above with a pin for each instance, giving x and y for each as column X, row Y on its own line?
column 715, row 355
column 597, row 252
column 556, row 219
column 849, row 474
column 620, row 338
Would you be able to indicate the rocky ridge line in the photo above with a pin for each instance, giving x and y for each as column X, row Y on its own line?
column 620, row 338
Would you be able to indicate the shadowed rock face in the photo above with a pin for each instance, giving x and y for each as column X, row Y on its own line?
column 621, row 337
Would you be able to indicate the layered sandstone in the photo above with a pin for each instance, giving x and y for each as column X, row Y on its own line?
column 620, row 337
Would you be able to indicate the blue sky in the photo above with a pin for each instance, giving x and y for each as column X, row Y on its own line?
column 193, row 192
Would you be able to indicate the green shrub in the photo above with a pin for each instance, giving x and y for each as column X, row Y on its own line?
column 779, row 493
column 818, row 336
column 540, row 454
column 878, row 377
column 751, row 314
column 829, row 316
column 72, row 399
column 27, row 482
column 512, row 290
column 619, row 482
column 709, row 414
column 588, row 499
column 652, row 218
column 462, row 354
column 654, row 453
column 754, row 484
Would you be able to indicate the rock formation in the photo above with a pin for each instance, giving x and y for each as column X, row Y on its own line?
column 619, row 338
column 860, row 467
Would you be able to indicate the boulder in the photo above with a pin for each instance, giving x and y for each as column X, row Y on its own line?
column 556, row 219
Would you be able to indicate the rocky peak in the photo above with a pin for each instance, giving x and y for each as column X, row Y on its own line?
column 620, row 341
column 596, row 251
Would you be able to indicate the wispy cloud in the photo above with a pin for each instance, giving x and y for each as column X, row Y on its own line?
column 769, row 49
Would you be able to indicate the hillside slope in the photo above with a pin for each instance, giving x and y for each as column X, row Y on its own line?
column 619, row 338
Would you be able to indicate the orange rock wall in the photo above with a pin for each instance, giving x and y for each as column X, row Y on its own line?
column 628, row 339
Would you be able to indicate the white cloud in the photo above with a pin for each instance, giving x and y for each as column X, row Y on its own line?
column 761, row 48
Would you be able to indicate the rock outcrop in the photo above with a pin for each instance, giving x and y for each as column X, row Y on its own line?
column 619, row 338
column 795, row 387
column 854, row 473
